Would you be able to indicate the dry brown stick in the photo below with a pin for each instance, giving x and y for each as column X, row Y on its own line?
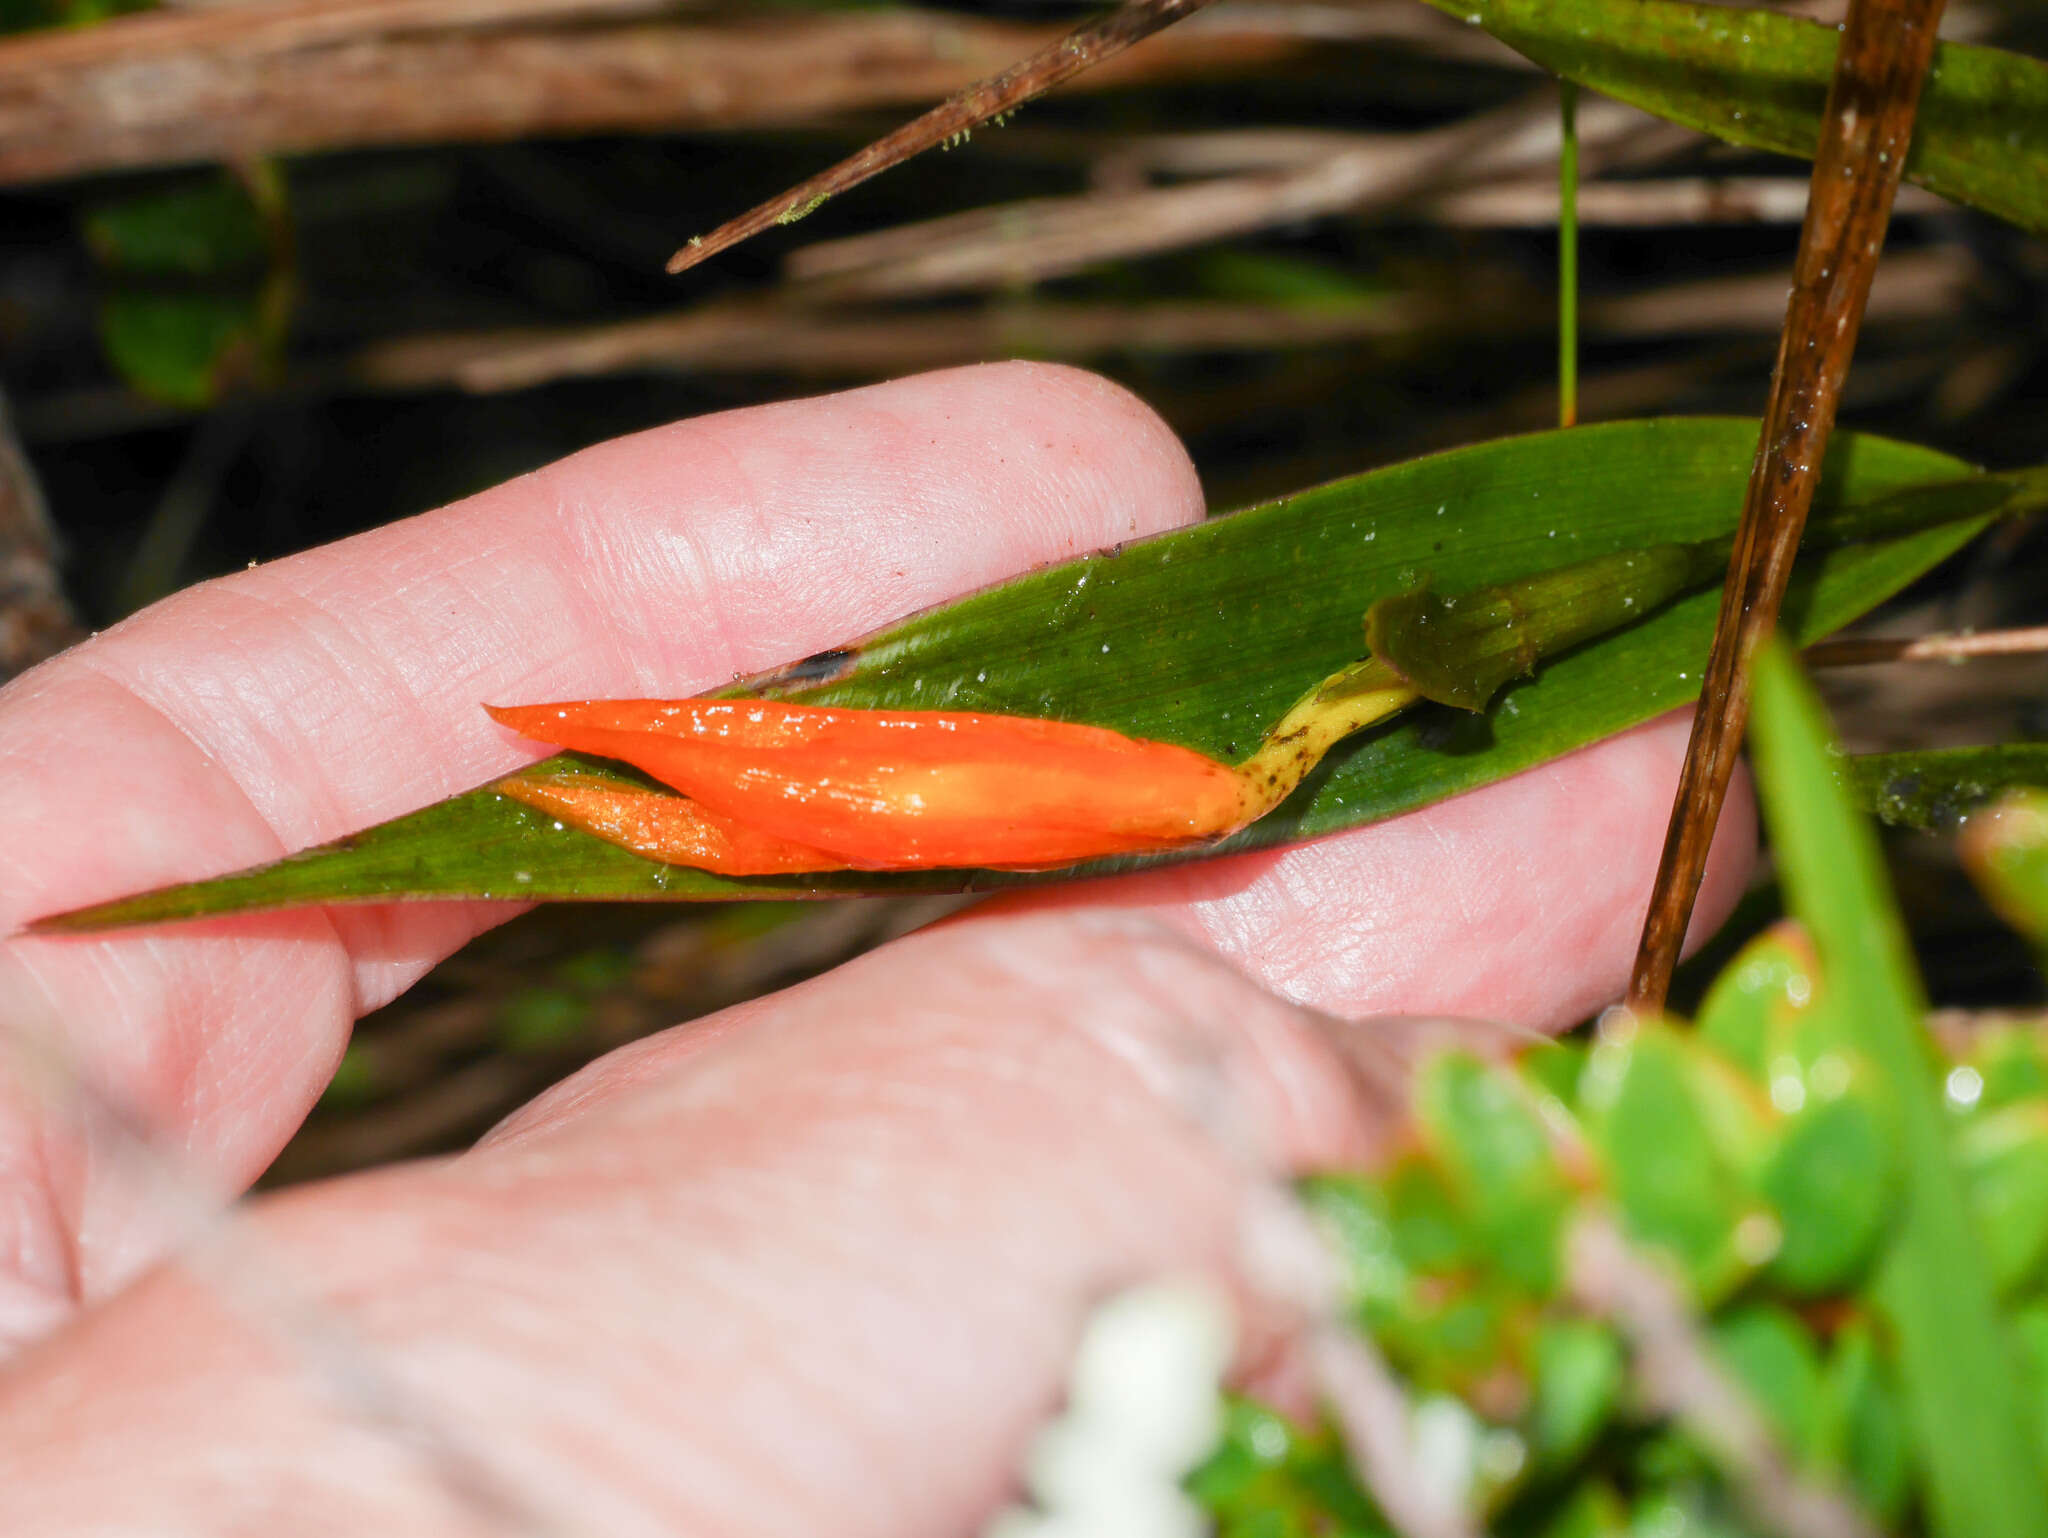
column 1856, row 651
column 1080, row 49
column 866, row 343
column 262, row 30
column 1882, row 62
column 1676, row 1371
column 863, row 342
column 1532, row 201
column 162, row 89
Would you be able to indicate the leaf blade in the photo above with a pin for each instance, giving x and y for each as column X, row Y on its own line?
column 1760, row 78
column 1965, row 1399
column 1205, row 636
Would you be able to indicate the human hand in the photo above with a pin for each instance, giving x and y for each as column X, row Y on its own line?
column 814, row 1262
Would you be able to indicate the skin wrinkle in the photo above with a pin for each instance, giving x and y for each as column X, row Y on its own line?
column 702, row 598
column 230, row 709
column 1203, row 1074
column 202, row 758
column 36, row 1202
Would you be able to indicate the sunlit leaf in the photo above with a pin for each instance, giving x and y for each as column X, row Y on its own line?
column 1760, row 78
column 1205, row 636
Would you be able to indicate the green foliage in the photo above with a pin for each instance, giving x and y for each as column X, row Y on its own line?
column 197, row 284
column 182, row 349
column 1857, row 1232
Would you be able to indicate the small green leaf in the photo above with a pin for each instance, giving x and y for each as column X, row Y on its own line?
column 1771, row 974
column 2004, row 1160
column 2006, row 850
column 2011, row 1064
column 180, row 347
column 1771, row 1355
column 207, row 229
column 1486, row 1137
column 198, row 283
column 35, row 15
column 542, row 1020
column 1675, row 1192
column 1832, row 1181
column 1579, row 1367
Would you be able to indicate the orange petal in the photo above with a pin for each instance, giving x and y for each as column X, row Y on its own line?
column 667, row 828
column 909, row 789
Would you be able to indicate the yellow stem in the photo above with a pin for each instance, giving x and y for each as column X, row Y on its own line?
column 1348, row 701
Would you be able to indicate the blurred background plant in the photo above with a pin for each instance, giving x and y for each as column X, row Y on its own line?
column 261, row 287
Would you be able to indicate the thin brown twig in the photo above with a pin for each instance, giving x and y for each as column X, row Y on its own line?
column 1634, row 204
column 859, row 342
column 1881, row 64
column 1677, row 1371
column 1045, row 238
column 1080, row 49
column 1857, row 651
column 865, row 343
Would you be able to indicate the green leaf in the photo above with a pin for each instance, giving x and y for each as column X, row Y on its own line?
column 1760, row 78
column 1675, row 1191
column 1965, row 1402
column 1832, row 1181
column 2004, row 1161
column 1486, row 1136
column 198, row 282
column 1771, row 1355
column 1464, row 649
column 1205, row 636
column 207, row 229
column 181, row 347
column 2006, row 849
column 1771, row 974
column 1579, row 1368
column 1935, row 788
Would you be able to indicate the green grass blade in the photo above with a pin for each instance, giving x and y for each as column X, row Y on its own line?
column 1966, row 1401
column 1760, row 78
column 1207, row 635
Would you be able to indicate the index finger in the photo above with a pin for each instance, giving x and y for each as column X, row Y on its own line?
column 291, row 704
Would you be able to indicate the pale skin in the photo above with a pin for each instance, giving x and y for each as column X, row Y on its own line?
column 812, row 1265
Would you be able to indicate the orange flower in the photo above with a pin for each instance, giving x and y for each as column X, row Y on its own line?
column 776, row 787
